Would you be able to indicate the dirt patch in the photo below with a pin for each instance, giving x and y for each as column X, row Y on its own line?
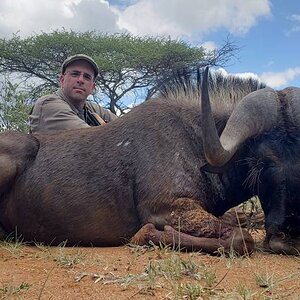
column 39, row 272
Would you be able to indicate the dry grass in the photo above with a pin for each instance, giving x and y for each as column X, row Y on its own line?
column 151, row 272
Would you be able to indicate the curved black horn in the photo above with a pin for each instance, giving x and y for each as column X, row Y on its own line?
column 255, row 113
column 214, row 151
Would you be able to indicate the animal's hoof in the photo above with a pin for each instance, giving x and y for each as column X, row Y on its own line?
column 283, row 245
column 144, row 235
column 240, row 243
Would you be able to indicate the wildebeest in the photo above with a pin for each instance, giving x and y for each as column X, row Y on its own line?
column 145, row 176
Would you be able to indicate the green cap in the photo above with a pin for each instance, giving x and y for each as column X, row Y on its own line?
column 80, row 57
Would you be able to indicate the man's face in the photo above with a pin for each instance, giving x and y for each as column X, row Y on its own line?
column 78, row 82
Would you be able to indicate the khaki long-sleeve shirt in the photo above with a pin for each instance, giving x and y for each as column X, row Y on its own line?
column 56, row 112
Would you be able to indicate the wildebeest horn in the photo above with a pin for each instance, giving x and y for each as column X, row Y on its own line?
column 293, row 96
column 255, row 113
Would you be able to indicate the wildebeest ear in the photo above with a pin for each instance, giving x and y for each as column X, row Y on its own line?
column 211, row 169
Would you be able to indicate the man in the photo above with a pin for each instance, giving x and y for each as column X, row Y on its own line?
column 68, row 107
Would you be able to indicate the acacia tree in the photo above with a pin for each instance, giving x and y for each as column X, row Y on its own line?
column 14, row 107
column 127, row 64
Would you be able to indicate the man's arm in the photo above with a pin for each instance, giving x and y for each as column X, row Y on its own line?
column 51, row 114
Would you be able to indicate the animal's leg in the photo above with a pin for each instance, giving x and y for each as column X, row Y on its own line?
column 239, row 241
column 16, row 150
column 8, row 169
column 193, row 227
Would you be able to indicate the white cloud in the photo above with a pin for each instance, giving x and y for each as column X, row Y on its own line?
column 296, row 27
column 176, row 18
column 248, row 75
column 193, row 17
column 274, row 80
column 29, row 16
column 93, row 14
column 280, row 79
column 295, row 18
column 209, row 46
column 241, row 75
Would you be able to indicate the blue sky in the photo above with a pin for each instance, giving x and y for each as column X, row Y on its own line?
column 272, row 47
column 267, row 31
